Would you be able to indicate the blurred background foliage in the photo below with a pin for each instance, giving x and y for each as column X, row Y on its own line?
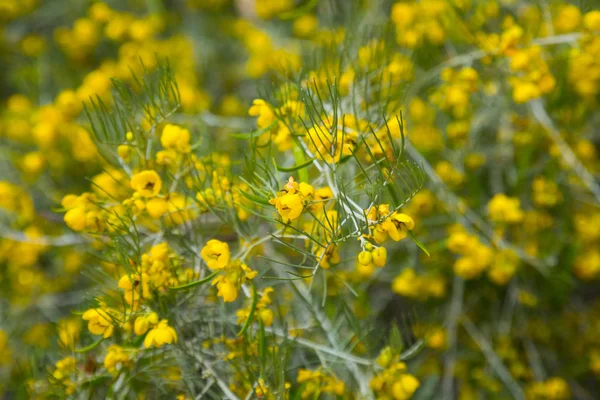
column 362, row 199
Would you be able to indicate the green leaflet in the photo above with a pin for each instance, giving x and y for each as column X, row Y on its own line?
column 196, row 283
column 252, row 310
column 295, row 167
column 90, row 347
column 418, row 243
column 255, row 198
column 253, row 134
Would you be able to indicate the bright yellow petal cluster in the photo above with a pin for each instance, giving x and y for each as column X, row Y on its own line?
column 146, row 183
column 160, row 335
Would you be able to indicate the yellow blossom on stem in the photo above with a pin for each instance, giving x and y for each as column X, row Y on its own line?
column 505, row 209
column 115, row 356
column 146, row 183
column 290, row 201
column 216, row 254
column 144, row 322
column 226, row 289
column 99, row 322
column 176, row 138
column 160, row 335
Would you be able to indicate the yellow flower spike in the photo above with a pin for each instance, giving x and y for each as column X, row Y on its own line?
column 160, row 335
column 379, row 256
column 216, row 254
column 146, row 183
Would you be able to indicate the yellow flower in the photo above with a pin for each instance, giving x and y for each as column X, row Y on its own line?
column 99, row 322
column 263, row 111
column 143, row 322
column 216, row 254
column 75, row 219
column 160, row 335
column 436, row 339
column 365, row 257
column 68, row 332
column 289, row 206
column 134, row 287
column 505, row 209
column 33, row 162
column 175, row 137
column 65, row 367
column 407, row 284
column 591, row 21
column 567, row 19
column 397, row 226
column 225, row 289
column 146, row 183
column 266, row 316
column 115, row 356
column 404, row 387
column 321, row 197
column 124, row 151
column 156, row 207
column 379, row 256
column 305, row 25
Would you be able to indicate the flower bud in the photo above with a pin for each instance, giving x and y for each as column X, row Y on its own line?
column 365, row 257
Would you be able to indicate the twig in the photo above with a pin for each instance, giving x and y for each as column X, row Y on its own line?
column 226, row 391
column 539, row 112
column 55, row 241
column 458, row 286
column 493, row 359
column 534, row 360
column 325, row 349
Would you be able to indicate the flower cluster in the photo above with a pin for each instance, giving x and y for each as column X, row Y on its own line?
column 232, row 273
column 394, row 382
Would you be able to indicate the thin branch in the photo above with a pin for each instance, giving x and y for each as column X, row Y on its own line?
column 493, row 359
